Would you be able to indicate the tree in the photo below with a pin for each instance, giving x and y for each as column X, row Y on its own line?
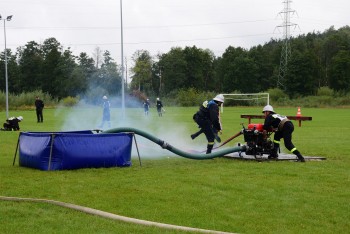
column 301, row 79
column 97, row 57
column 30, row 60
column 68, row 81
column 142, row 72
column 109, row 75
column 227, row 70
column 13, row 74
column 50, row 76
column 86, row 67
column 340, row 71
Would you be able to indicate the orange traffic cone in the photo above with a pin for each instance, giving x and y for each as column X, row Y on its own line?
column 299, row 112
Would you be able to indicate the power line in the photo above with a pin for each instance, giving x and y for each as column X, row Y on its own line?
column 141, row 26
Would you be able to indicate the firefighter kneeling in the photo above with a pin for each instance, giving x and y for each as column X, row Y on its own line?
column 12, row 124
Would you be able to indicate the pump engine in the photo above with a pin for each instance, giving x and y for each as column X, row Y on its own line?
column 257, row 143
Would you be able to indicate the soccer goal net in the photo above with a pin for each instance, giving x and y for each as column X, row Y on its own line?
column 246, row 99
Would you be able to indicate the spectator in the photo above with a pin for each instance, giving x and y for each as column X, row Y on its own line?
column 39, row 106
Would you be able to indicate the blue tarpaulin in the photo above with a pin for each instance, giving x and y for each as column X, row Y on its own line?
column 74, row 150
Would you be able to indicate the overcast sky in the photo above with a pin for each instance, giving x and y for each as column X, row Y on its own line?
column 159, row 25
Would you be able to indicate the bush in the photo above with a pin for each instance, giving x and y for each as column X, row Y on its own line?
column 277, row 95
column 25, row 100
column 192, row 97
column 325, row 91
column 69, row 101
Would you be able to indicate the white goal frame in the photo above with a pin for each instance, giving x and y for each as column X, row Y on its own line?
column 258, row 96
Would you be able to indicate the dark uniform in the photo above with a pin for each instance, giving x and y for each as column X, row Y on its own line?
column 284, row 129
column 146, row 107
column 208, row 119
column 159, row 107
column 106, row 113
column 12, row 124
column 39, row 106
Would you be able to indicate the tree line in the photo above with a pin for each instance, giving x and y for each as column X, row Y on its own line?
column 317, row 60
column 49, row 68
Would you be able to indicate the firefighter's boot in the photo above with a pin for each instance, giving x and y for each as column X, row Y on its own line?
column 300, row 157
column 194, row 135
column 274, row 154
column 209, row 147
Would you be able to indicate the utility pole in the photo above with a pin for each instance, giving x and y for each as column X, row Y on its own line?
column 122, row 56
column 126, row 72
column 286, row 50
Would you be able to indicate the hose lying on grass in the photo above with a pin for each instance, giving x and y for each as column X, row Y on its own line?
column 164, row 145
column 109, row 215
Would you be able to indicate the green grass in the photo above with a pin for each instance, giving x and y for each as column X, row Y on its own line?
column 219, row 194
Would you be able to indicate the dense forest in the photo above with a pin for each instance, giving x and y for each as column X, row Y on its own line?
column 318, row 60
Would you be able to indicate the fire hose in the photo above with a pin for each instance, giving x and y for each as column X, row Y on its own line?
column 230, row 139
column 165, row 145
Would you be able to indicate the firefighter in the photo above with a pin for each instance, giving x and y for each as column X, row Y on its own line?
column 208, row 120
column 283, row 128
column 146, row 106
column 159, row 107
column 12, row 123
column 106, row 112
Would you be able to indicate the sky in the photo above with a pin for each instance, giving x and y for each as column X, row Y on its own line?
column 159, row 25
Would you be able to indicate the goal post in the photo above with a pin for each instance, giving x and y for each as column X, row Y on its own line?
column 246, row 97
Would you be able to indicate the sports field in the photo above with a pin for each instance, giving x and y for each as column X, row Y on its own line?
column 217, row 194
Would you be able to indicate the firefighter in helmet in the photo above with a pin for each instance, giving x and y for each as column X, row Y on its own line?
column 283, row 128
column 12, row 124
column 208, row 120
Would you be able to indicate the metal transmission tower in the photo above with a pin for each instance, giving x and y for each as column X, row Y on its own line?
column 286, row 50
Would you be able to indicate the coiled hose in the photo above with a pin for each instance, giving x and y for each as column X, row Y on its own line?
column 176, row 151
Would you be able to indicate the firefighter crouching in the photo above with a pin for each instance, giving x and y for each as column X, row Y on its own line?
column 12, row 124
column 208, row 120
column 283, row 128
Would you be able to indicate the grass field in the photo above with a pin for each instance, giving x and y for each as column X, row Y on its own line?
column 218, row 194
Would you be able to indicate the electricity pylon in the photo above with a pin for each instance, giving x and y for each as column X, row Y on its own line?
column 286, row 50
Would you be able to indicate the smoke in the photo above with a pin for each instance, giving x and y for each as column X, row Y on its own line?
column 169, row 128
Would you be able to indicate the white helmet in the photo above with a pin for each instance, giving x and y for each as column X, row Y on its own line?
column 105, row 97
column 219, row 98
column 268, row 108
column 20, row 118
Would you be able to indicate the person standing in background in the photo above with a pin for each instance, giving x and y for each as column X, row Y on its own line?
column 106, row 114
column 159, row 107
column 39, row 106
column 146, row 106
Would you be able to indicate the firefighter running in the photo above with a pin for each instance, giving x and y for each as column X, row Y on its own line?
column 283, row 128
column 208, row 120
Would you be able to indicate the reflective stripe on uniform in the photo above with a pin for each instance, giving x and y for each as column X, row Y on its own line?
column 210, row 143
column 292, row 150
column 275, row 141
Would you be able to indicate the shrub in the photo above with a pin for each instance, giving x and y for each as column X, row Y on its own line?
column 325, row 91
column 277, row 95
column 69, row 101
column 192, row 97
column 25, row 100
